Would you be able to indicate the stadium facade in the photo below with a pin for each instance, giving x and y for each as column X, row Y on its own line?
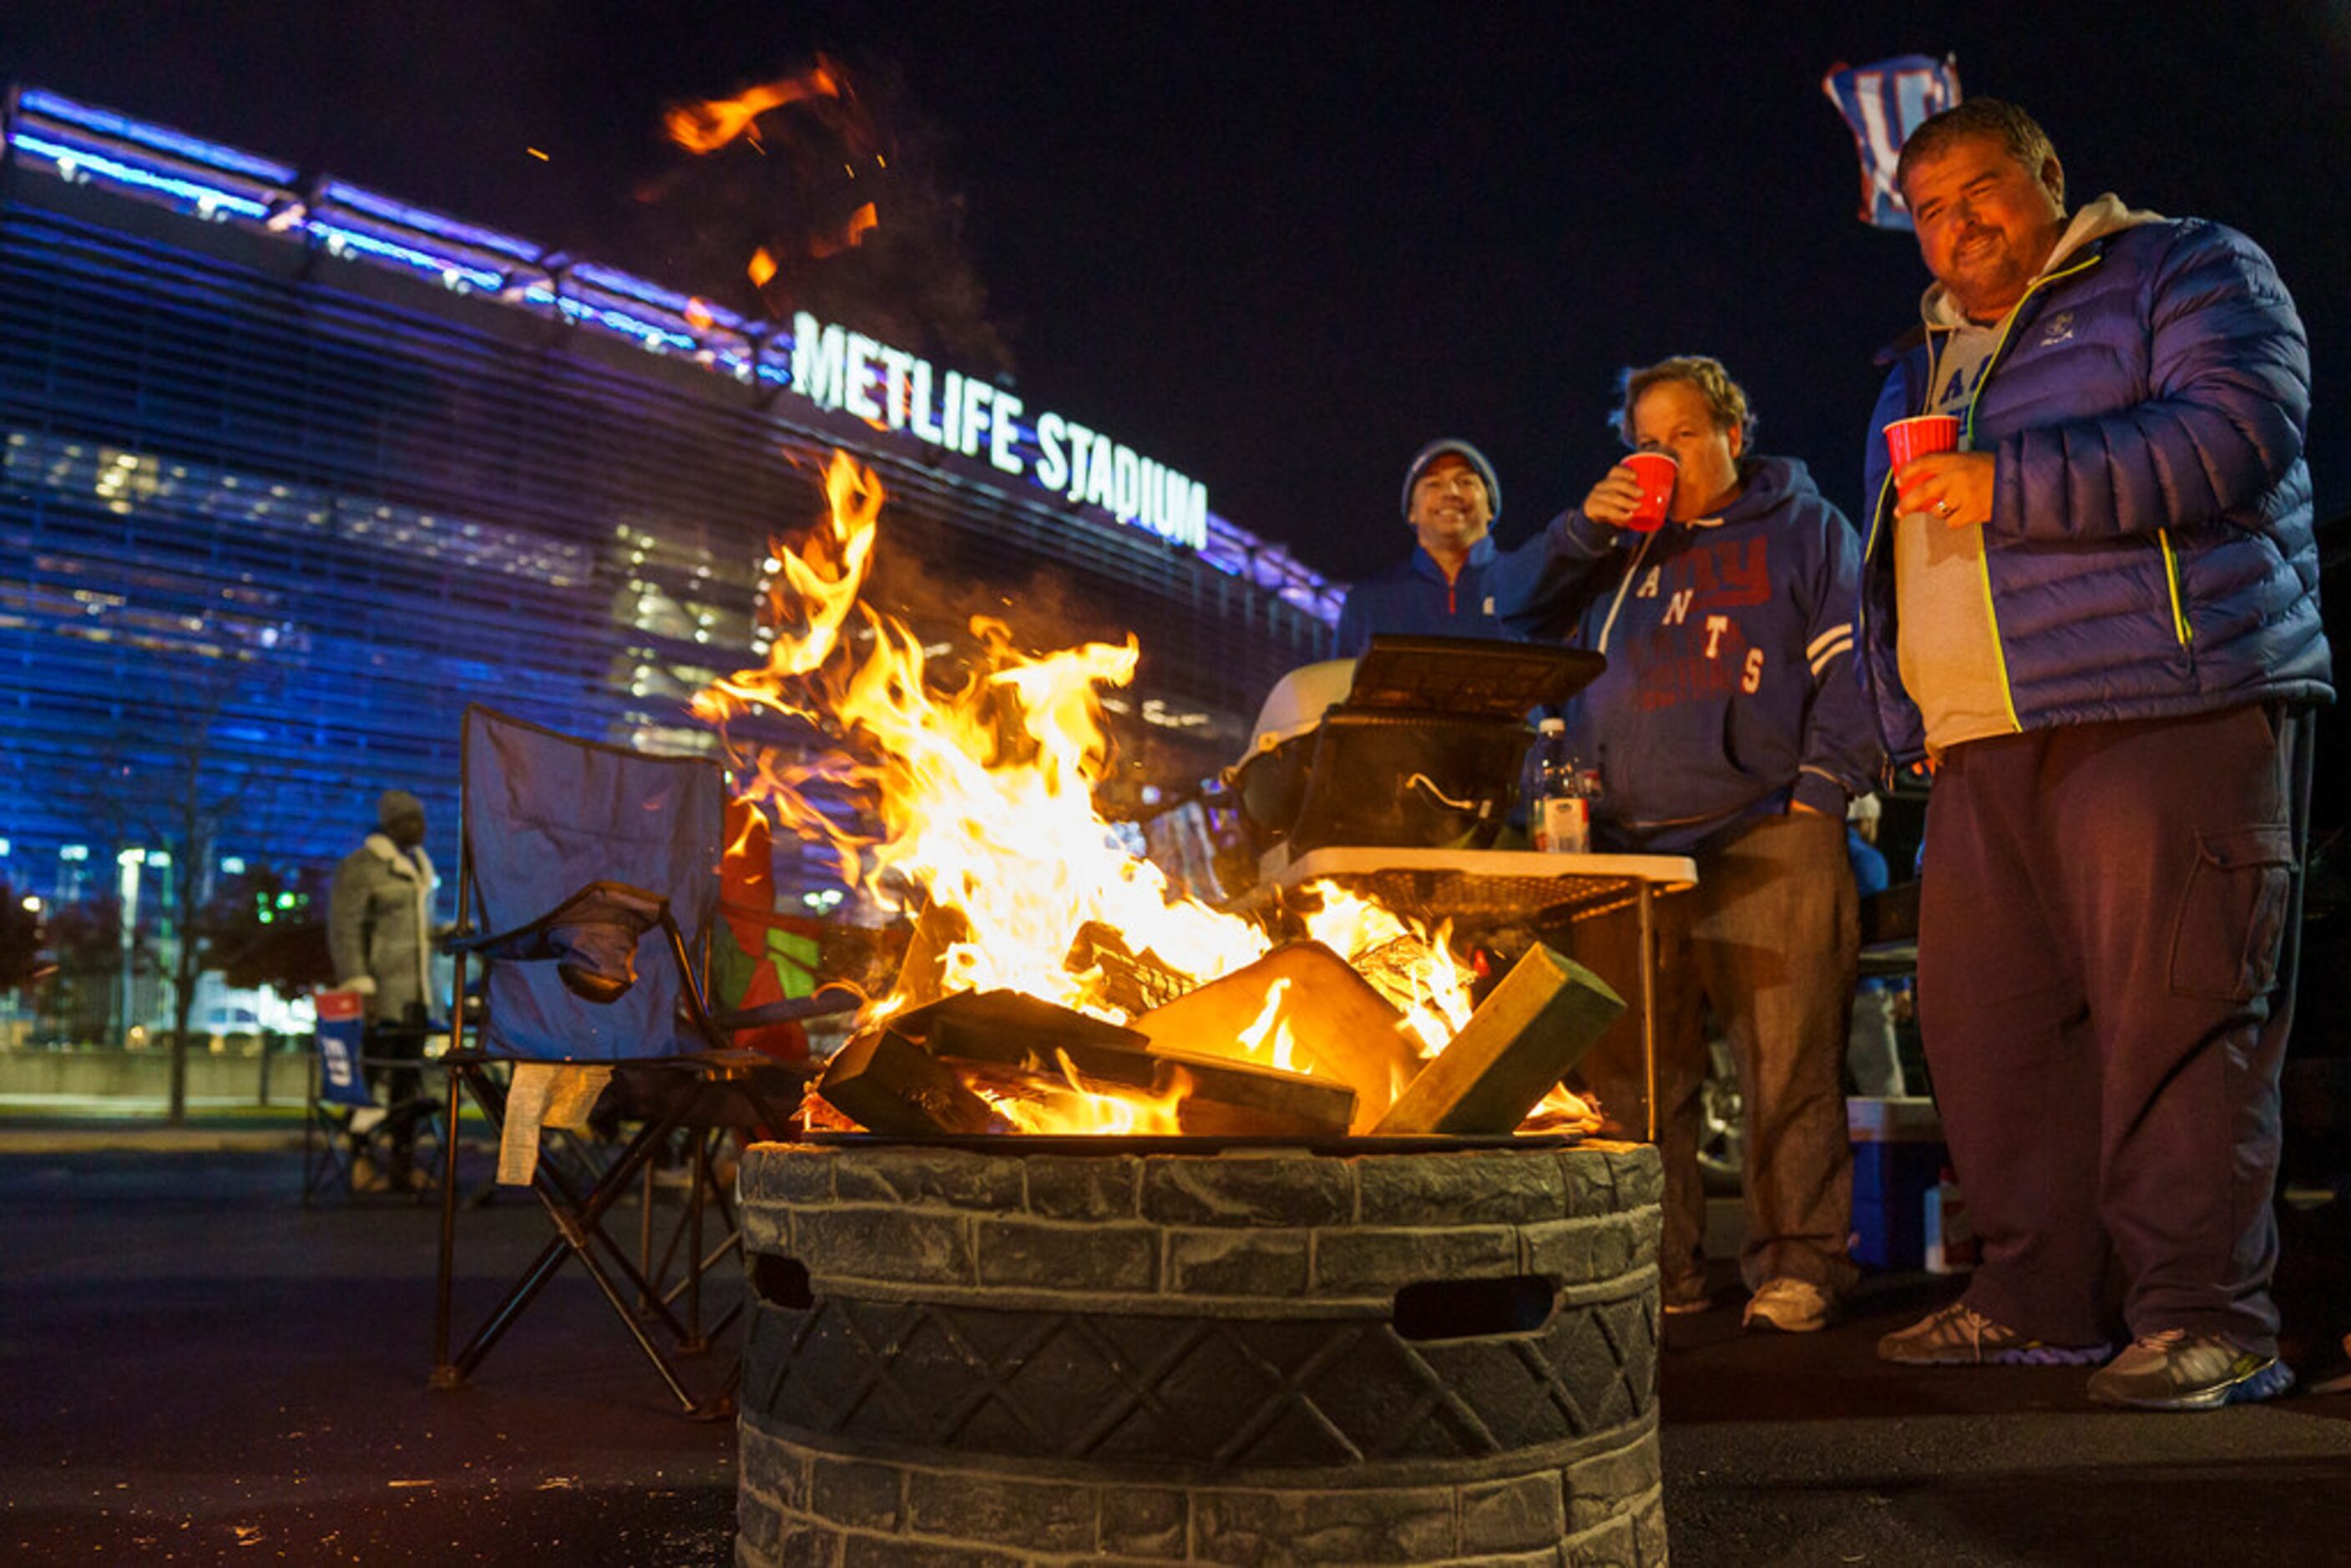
column 291, row 472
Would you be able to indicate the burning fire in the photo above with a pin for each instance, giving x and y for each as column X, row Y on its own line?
column 706, row 127
column 851, row 234
column 985, row 796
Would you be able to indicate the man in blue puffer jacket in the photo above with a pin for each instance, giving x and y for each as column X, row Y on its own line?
column 2098, row 621
column 1728, row 727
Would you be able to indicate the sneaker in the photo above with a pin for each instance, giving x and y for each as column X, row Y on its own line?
column 1959, row 1335
column 2176, row 1370
column 1792, row 1306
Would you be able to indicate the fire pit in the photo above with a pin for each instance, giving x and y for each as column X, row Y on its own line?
column 1188, row 1350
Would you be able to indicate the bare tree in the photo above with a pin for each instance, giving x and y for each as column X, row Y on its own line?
column 164, row 787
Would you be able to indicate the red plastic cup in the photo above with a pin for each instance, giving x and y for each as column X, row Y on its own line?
column 1915, row 437
column 1656, row 472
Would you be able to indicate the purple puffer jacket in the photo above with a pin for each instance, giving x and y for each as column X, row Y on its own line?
column 2150, row 551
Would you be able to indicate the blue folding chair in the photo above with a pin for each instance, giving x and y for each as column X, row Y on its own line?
column 588, row 885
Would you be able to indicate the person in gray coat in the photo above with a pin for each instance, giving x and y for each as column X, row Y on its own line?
column 380, row 916
column 380, row 930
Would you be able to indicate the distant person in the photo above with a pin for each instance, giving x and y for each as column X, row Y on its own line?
column 380, row 931
column 1873, row 1051
column 2099, row 620
column 1456, row 582
column 1727, row 727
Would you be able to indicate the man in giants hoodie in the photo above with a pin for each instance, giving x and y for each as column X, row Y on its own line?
column 1729, row 727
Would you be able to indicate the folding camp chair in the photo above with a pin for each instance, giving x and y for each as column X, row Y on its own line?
column 366, row 1104
column 587, row 885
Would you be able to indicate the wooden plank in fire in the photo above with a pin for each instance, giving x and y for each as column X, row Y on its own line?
column 922, row 972
column 1236, row 1099
column 1339, row 1027
column 1131, row 981
column 888, row 1084
column 1524, row 1038
column 1011, row 1028
column 1007, row 1035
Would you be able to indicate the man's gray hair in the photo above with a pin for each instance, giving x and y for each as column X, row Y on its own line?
column 2018, row 130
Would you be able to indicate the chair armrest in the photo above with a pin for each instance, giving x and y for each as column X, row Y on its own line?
column 591, row 936
column 827, row 1001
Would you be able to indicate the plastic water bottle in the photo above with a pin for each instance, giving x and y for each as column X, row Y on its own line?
column 1559, row 817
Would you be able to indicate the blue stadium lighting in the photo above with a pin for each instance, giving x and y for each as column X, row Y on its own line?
column 430, row 222
column 650, row 334
column 72, row 161
column 644, row 293
column 445, row 269
column 162, row 138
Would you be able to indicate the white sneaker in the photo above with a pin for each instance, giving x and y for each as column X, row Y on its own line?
column 1792, row 1306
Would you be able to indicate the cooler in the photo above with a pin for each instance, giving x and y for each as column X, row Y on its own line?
column 1899, row 1153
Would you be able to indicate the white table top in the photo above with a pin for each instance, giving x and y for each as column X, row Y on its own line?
column 1492, row 884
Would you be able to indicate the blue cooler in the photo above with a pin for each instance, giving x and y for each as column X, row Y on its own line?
column 1899, row 1155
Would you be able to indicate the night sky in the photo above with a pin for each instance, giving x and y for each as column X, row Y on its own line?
column 1279, row 247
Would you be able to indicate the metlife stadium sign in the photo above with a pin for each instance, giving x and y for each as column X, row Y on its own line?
column 837, row 368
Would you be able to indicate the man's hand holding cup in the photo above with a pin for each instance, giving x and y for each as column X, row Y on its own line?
column 1933, row 477
column 1634, row 494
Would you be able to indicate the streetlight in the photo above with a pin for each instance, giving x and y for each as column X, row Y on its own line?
column 130, row 861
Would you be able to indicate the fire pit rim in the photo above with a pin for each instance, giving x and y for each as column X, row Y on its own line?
column 1161, row 1144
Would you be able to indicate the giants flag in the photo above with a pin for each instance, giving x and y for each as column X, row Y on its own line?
column 1882, row 103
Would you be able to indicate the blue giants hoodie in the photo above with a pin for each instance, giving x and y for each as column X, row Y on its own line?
column 1730, row 689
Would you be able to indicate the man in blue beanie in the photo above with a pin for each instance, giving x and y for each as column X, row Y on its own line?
column 1456, row 584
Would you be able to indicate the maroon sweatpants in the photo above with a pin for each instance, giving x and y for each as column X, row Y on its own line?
column 2102, row 913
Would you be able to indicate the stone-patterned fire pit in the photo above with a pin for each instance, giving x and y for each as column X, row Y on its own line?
column 1093, row 1350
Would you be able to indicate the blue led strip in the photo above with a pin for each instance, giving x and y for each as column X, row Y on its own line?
column 204, row 197
column 444, row 268
column 160, row 138
column 430, row 222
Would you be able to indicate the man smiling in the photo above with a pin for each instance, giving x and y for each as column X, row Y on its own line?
column 1456, row 584
column 2098, row 618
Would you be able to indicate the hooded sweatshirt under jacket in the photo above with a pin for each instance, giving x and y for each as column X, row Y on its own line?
column 1730, row 690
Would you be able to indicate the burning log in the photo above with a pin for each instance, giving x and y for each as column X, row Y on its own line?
column 1010, row 1028
column 1008, row 1038
column 1131, row 981
column 922, row 972
column 886, row 1083
column 1523, row 1039
column 1299, row 1005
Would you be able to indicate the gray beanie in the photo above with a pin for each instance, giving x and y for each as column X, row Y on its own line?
column 394, row 804
column 1448, row 446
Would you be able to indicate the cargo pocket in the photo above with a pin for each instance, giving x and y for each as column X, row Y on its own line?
column 2226, row 935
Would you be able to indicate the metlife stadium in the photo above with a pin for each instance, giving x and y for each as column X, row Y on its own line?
column 291, row 472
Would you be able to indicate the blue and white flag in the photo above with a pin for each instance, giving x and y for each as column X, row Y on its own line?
column 1882, row 103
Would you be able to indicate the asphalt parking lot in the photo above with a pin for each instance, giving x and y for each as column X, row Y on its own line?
column 200, row 1369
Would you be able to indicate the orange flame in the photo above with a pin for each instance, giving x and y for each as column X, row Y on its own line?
column 1091, row 1107
column 852, row 234
column 705, row 127
column 762, row 269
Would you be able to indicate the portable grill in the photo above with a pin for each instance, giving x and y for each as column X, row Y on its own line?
column 1418, row 744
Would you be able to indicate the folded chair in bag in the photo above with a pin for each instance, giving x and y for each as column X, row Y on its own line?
column 368, row 1113
column 586, row 888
